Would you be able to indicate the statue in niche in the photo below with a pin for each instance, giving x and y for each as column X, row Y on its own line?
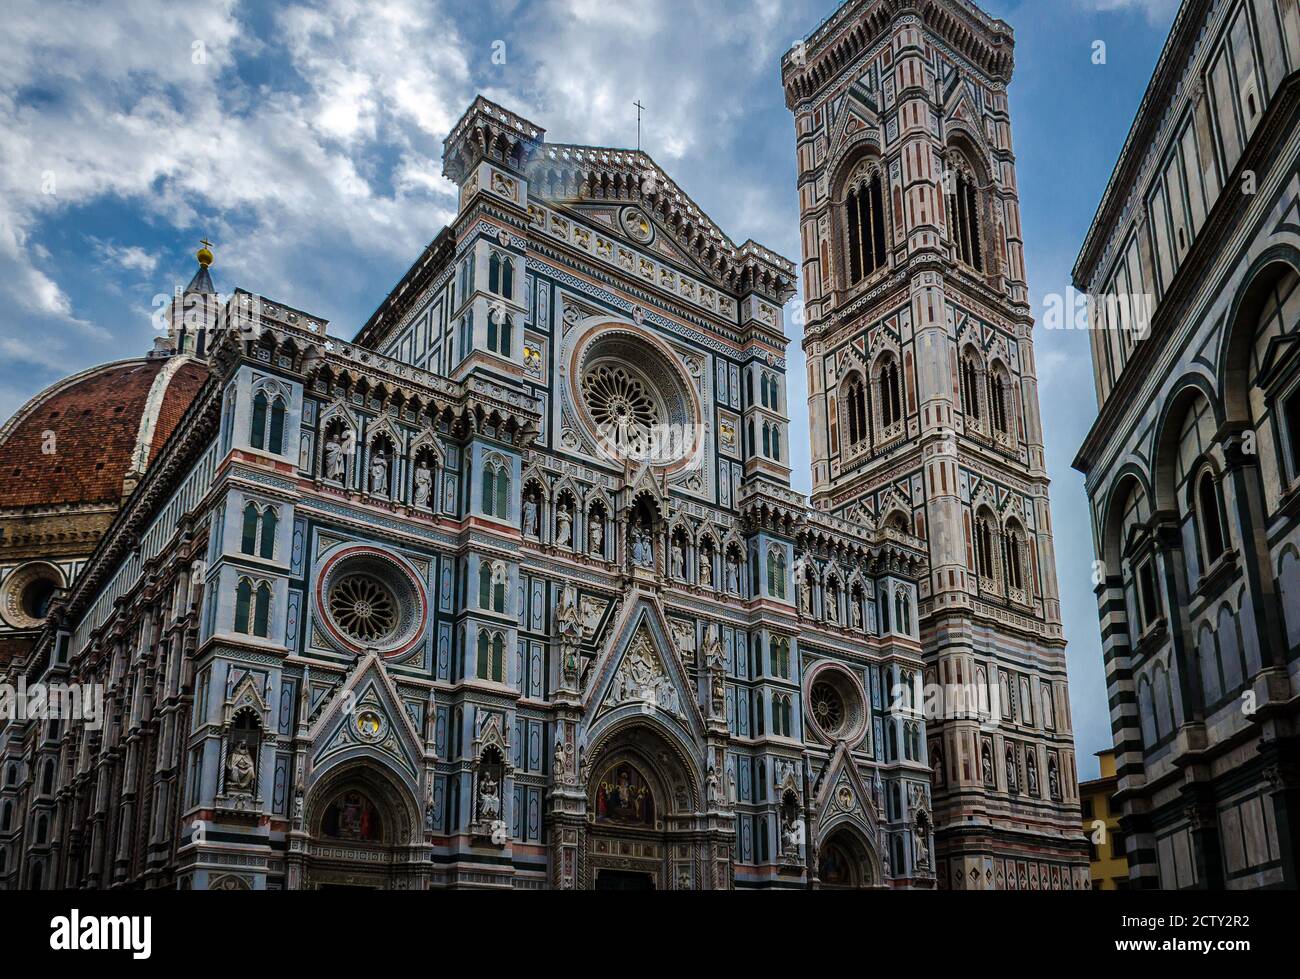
column 731, row 786
column 1053, row 780
column 563, row 527
column 643, row 554
column 489, row 798
column 986, row 764
column 336, row 460
column 679, row 562
column 857, row 614
column 596, row 535
column 423, row 484
column 1031, row 775
column 241, row 773
column 712, row 786
column 706, row 568
column 530, row 516
column 790, row 832
column 561, row 766
column 379, row 472
column 921, row 839
column 832, row 606
column 733, row 575
column 716, row 663
column 569, row 625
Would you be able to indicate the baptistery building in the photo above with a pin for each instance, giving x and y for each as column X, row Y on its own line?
column 1193, row 462
column 512, row 589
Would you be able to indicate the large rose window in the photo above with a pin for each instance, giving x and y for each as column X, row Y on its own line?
column 622, row 407
column 634, row 397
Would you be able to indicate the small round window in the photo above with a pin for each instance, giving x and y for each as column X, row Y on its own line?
column 28, row 593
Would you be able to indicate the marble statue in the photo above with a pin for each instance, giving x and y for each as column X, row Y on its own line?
column 241, row 773
column 423, row 485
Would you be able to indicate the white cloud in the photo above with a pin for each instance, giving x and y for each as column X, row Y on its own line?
column 1156, row 11
column 122, row 113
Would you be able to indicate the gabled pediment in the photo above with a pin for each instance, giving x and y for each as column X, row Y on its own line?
column 640, row 672
column 367, row 716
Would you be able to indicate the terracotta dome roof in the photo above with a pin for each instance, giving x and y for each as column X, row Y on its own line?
column 108, row 422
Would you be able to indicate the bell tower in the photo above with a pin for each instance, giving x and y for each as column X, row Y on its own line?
column 923, row 405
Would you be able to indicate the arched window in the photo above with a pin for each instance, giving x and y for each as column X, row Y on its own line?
column 985, row 554
column 781, row 716
column 1209, row 515
column 262, row 611
column 781, row 658
column 266, row 548
column 258, row 535
column 854, row 399
column 501, row 275
column 999, row 386
column 260, row 438
column 971, row 372
column 252, row 608
column 6, row 816
column 963, row 199
column 243, row 605
column 864, row 220
column 767, row 440
column 1014, row 546
column 499, row 331
column 248, row 540
column 485, row 586
column 776, row 574
column 776, row 442
column 491, row 657
column 496, row 490
column 903, row 611
column 889, row 391
column 47, row 779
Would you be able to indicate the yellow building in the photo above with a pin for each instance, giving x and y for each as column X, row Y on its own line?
column 1106, row 843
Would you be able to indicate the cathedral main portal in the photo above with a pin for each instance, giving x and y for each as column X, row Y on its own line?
column 641, row 816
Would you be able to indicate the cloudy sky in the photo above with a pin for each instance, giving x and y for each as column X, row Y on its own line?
column 304, row 140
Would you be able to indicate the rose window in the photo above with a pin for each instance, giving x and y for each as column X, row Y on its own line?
column 621, row 407
column 363, row 608
column 634, row 397
column 836, row 705
column 828, row 707
column 368, row 599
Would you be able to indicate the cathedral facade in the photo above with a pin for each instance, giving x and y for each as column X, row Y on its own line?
column 1193, row 463
column 513, row 591
column 923, row 404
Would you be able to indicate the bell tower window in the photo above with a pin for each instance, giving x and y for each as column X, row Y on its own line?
column 964, row 218
column 864, row 217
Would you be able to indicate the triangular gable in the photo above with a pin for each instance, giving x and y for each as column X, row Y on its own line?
column 640, row 672
column 367, row 716
column 843, row 794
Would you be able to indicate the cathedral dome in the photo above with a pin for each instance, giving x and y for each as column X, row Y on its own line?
column 88, row 438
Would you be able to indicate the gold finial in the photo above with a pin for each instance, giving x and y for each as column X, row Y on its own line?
column 205, row 253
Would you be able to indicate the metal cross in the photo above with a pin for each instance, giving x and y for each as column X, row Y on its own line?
column 639, row 109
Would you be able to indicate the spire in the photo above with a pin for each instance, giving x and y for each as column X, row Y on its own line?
column 193, row 313
column 201, row 284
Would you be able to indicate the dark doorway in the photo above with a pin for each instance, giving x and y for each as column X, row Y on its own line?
column 622, row 880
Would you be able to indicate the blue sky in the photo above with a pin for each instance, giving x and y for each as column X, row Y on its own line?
column 305, row 142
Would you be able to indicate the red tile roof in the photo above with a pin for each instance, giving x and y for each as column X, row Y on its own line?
column 95, row 420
